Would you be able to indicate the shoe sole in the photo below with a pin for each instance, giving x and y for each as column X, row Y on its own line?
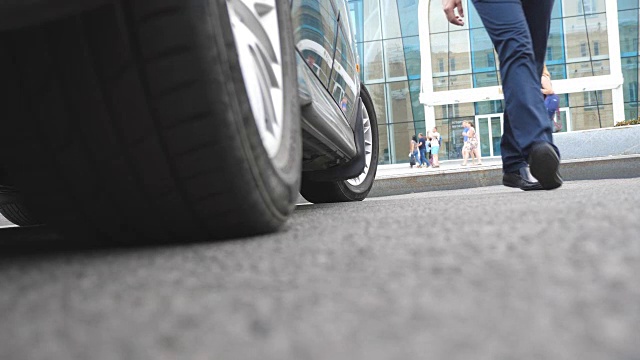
column 544, row 164
column 515, row 186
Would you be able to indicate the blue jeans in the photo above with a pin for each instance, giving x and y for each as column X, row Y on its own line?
column 423, row 157
column 417, row 155
column 519, row 30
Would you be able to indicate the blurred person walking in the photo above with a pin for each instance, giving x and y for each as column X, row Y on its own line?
column 422, row 146
column 414, row 155
column 551, row 100
column 434, row 140
column 519, row 30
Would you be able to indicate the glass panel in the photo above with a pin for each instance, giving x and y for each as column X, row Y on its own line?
column 394, row 60
column 591, row 117
column 440, row 54
column 557, row 72
column 579, row 7
column 459, row 57
column 456, row 82
column 483, row 132
column 564, row 100
column 485, row 79
column 378, row 97
column 441, row 83
column 437, row 21
column 482, row 51
column 590, row 98
column 555, row 45
column 496, row 134
column 588, row 68
column 628, row 27
column 563, row 120
column 399, row 102
column 418, row 108
column 631, row 111
column 489, row 107
column 355, row 9
column 459, row 82
column 456, row 140
column 452, row 110
column 575, row 34
column 598, row 38
column 372, row 26
column 372, row 67
column 412, row 56
column 472, row 16
column 390, row 21
column 443, row 128
column 401, row 137
column 628, row 4
column 606, row 115
column 408, row 11
column 384, row 154
column 601, row 67
column 557, row 10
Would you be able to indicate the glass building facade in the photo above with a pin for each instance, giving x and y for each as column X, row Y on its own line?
column 463, row 59
column 389, row 45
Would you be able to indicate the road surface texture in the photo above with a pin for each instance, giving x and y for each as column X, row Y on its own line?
column 487, row 273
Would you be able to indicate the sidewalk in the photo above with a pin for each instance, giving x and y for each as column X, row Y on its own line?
column 609, row 153
column 394, row 180
column 446, row 166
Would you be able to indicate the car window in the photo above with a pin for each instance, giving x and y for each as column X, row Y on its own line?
column 315, row 23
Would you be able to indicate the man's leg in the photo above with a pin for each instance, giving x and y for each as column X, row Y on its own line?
column 525, row 121
column 423, row 156
column 465, row 155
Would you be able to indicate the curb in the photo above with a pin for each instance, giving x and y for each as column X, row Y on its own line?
column 610, row 167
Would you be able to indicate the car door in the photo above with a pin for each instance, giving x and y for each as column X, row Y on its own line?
column 315, row 24
column 344, row 81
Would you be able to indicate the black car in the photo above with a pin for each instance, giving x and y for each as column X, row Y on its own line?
column 170, row 120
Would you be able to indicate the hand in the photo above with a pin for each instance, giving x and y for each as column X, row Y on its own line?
column 449, row 6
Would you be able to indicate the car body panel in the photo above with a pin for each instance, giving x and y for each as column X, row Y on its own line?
column 328, row 81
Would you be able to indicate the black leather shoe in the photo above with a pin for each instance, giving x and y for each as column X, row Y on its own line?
column 544, row 163
column 521, row 179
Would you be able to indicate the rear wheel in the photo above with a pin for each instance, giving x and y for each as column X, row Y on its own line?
column 156, row 120
column 358, row 188
column 13, row 208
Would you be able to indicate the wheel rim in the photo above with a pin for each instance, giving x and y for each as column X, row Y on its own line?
column 257, row 38
column 368, row 148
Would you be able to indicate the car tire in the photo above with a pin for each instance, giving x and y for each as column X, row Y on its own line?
column 135, row 121
column 13, row 208
column 353, row 189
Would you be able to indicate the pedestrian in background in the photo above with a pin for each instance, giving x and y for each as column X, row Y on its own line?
column 470, row 148
column 434, row 140
column 519, row 30
column 474, row 145
column 465, row 143
column 422, row 146
column 414, row 155
column 551, row 100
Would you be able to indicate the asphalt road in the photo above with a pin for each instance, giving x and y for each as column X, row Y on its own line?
column 487, row 273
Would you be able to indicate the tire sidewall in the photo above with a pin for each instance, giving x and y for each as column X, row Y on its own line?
column 360, row 191
column 277, row 178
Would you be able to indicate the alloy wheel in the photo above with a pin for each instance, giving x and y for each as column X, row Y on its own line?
column 368, row 148
column 257, row 38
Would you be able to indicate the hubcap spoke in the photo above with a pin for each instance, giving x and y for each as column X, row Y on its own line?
column 368, row 148
column 257, row 39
